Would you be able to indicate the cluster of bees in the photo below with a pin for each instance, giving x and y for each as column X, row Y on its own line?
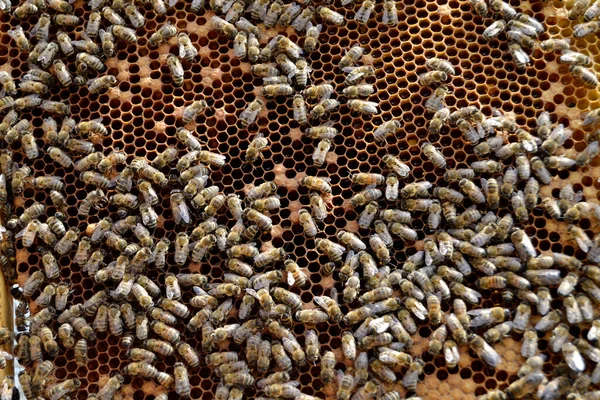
column 522, row 31
column 255, row 304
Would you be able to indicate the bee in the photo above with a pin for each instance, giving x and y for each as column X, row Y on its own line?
column 387, row 129
column 60, row 157
column 330, row 16
column 244, row 25
column 193, row 110
column 433, row 155
column 108, row 42
column 102, row 83
column 362, row 106
column 587, row 76
column 440, row 64
column 432, row 77
column 135, row 17
column 301, row 21
column 25, row 10
column 111, row 387
column 390, row 13
column 437, row 103
column 140, row 368
column 573, row 357
column 451, row 354
column 557, row 45
column 165, row 32
column 578, row 9
column 47, row 337
column 277, row 90
column 176, row 69
column 18, row 35
column 529, row 346
column 411, row 377
column 63, row 388
column 400, row 169
column 582, row 30
column 81, row 352
column 365, row 90
column 351, row 57
column 574, row 58
column 484, row 350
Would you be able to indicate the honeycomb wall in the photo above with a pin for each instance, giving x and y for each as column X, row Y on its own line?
column 143, row 110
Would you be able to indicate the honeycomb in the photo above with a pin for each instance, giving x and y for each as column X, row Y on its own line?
column 142, row 114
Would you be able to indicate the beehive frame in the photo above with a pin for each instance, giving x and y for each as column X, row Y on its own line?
column 142, row 112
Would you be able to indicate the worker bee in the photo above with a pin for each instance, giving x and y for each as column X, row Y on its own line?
column 390, row 13
column 18, row 35
column 582, row 30
column 30, row 146
column 165, row 32
column 558, row 45
column 90, row 61
column 176, row 69
column 64, row 388
column 25, row 10
column 525, row 385
column 432, row 77
column 107, row 42
column 249, row 114
column 352, row 56
column 135, row 17
column 437, row 103
column 362, row 106
column 433, row 155
column 283, row 89
column 330, row 16
column 439, row 64
column 386, row 130
column 192, row 111
column 102, row 83
column 258, row 144
column 587, row 76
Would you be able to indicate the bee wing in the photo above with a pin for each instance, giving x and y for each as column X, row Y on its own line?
column 21, row 233
column 184, row 212
column 334, row 294
column 445, row 247
column 583, row 245
column 253, row 293
column 182, row 51
column 484, row 185
column 199, row 291
column 290, row 279
column 321, row 302
column 172, row 3
column 6, row 355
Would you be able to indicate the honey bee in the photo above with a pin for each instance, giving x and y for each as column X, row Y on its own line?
column 176, row 69
column 192, row 111
column 432, row 77
column 264, row 354
column 352, row 56
column 165, row 32
column 47, row 337
column 25, row 10
column 63, row 388
column 18, row 35
column 140, row 368
column 90, row 61
column 362, row 106
column 275, row 90
column 30, row 146
column 330, row 16
column 107, row 42
column 587, row 76
column 582, row 30
column 102, row 83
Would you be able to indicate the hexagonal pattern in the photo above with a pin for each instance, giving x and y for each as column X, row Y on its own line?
column 142, row 115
